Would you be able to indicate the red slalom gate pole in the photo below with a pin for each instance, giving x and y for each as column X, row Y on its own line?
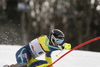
column 87, row 42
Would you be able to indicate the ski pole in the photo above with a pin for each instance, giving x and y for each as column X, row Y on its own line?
column 87, row 42
column 66, row 46
column 59, row 53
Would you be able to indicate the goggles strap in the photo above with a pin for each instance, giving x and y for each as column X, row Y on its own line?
column 52, row 37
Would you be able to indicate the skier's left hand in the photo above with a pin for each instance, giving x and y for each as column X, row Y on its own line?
column 67, row 46
column 43, row 65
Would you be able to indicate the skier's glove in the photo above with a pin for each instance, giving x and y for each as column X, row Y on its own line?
column 43, row 65
column 67, row 46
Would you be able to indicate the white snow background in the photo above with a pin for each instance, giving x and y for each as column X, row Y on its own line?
column 76, row 58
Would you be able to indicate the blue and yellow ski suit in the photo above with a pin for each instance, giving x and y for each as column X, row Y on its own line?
column 28, row 53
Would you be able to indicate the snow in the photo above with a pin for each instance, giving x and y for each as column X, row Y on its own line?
column 76, row 58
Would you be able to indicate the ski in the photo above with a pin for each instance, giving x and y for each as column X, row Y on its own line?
column 6, row 66
column 16, row 65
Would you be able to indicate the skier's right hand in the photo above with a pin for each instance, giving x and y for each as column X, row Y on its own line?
column 67, row 46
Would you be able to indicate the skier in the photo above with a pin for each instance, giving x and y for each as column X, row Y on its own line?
column 26, row 56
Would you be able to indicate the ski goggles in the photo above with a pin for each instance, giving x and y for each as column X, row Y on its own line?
column 58, row 40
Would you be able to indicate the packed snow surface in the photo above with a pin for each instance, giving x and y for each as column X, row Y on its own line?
column 76, row 58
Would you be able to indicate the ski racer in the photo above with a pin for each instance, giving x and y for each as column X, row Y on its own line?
column 26, row 56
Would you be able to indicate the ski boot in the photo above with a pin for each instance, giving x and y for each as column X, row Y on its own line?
column 16, row 65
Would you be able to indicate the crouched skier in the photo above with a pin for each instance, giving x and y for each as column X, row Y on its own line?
column 26, row 56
